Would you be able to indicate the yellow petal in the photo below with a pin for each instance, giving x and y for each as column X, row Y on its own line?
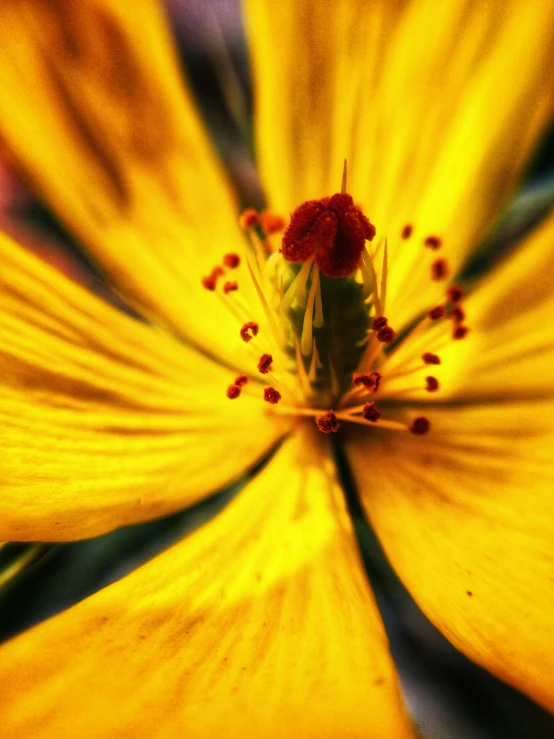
column 466, row 517
column 436, row 108
column 106, row 421
column 260, row 624
column 99, row 122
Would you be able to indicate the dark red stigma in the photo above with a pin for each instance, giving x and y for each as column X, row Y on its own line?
column 333, row 230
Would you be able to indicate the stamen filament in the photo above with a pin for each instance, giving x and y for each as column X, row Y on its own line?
column 292, row 410
column 371, row 353
column 297, row 287
column 343, row 185
column 384, row 273
column 368, row 262
column 301, row 374
column 351, row 394
column 367, row 281
column 314, row 364
column 318, row 320
column 275, row 329
column 404, row 391
column 236, row 303
column 380, row 423
column 258, row 249
column 306, row 339
column 405, row 372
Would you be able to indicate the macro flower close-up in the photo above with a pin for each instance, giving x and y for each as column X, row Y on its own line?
column 358, row 346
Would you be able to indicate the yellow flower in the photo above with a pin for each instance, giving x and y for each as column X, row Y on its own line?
column 262, row 622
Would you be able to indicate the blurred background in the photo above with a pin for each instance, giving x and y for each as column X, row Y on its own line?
column 449, row 697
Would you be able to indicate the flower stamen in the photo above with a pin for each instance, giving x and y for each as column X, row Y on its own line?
column 439, row 270
column 233, row 391
column 231, row 261
column 406, row 232
column 420, row 425
column 433, row 242
column 430, row 358
column 328, row 423
column 249, row 330
column 370, row 412
column 264, row 365
column 230, row 287
column 432, row 384
column 271, row 395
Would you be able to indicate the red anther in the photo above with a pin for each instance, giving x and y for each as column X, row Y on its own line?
column 271, row 395
column 369, row 380
column 233, row 391
column 436, row 312
column 241, row 380
column 457, row 314
column 231, row 261
column 387, row 335
column 407, row 231
column 249, row 218
column 460, row 332
column 420, row 425
column 454, row 293
column 265, row 363
column 433, row 242
column 271, row 223
column 328, row 423
column 430, row 358
column 333, row 230
column 432, row 384
column 249, row 330
column 379, row 323
column 439, row 270
column 370, row 412
column 209, row 283
column 230, row 287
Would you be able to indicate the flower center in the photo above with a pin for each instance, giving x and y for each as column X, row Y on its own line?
column 322, row 340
